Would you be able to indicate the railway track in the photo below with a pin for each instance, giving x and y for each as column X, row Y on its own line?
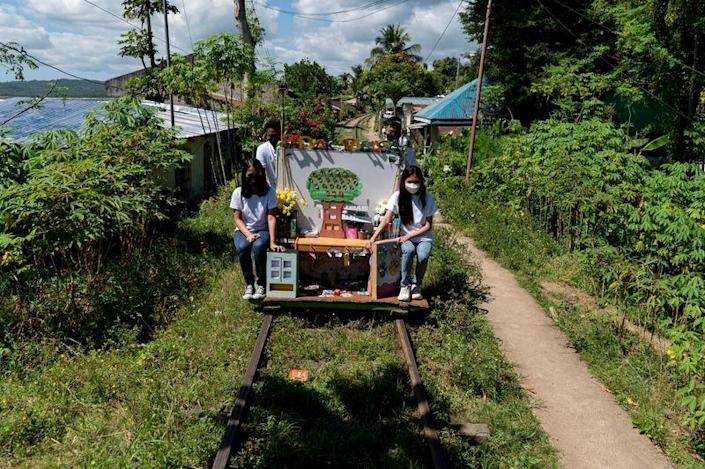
column 228, row 445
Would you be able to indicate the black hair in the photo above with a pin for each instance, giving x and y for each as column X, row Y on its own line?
column 394, row 122
column 273, row 124
column 406, row 212
column 261, row 186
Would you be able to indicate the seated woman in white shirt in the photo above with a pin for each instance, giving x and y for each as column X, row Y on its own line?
column 416, row 209
column 254, row 206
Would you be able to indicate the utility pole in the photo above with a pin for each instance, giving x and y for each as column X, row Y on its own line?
column 478, row 90
column 168, row 57
column 457, row 72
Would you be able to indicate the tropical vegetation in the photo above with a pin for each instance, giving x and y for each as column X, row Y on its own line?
column 605, row 157
column 394, row 40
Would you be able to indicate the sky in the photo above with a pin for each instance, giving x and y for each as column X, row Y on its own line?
column 81, row 38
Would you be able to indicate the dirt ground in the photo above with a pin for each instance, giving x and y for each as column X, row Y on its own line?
column 579, row 414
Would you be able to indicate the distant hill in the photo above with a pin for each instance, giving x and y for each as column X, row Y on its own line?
column 73, row 88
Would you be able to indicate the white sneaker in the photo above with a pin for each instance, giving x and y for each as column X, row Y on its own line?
column 416, row 293
column 405, row 294
column 248, row 292
column 259, row 293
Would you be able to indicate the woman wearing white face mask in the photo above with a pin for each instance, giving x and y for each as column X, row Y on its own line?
column 416, row 209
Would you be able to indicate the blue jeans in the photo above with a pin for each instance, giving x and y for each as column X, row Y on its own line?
column 244, row 253
column 422, row 249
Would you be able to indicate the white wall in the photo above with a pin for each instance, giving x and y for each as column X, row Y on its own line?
column 375, row 171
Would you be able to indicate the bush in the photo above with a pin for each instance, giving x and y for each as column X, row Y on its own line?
column 639, row 230
column 80, row 249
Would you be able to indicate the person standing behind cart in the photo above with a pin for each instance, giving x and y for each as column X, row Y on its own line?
column 267, row 151
column 254, row 206
column 394, row 134
column 416, row 209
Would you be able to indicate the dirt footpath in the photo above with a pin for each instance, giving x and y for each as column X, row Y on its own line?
column 578, row 413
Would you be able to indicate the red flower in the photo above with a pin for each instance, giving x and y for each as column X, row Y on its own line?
column 302, row 115
column 312, row 124
column 318, row 107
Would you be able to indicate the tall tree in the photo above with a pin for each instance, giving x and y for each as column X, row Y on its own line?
column 307, row 79
column 679, row 31
column 357, row 72
column 450, row 72
column 525, row 38
column 139, row 42
column 394, row 40
column 243, row 26
column 395, row 76
column 241, row 23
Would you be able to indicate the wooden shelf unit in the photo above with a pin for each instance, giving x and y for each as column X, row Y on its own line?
column 321, row 244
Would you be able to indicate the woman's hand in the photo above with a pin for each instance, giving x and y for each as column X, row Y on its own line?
column 274, row 247
column 252, row 237
column 403, row 239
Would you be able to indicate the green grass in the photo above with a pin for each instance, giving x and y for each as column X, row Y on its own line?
column 356, row 410
column 637, row 376
column 163, row 403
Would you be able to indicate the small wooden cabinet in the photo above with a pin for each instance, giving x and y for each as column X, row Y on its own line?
column 282, row 274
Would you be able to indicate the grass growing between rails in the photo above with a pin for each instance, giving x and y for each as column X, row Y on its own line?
column 163, row 403
column 639, row 377
column 357, row 410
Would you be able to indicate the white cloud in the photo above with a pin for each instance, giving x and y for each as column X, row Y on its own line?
column 15, row 27
column 83, row 39
column 342, row 44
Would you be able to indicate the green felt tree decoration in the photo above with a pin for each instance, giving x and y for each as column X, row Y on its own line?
column 333, row 185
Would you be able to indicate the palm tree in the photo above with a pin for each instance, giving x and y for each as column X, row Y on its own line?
column 357, row 70
column 394, row 39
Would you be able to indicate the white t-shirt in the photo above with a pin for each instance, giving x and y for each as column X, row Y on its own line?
column 420, row 214
column 255, row 209
column 267, row 155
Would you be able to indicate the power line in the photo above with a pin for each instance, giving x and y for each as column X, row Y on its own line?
column 329, row 13
column 324, row 20
column 58, row 69
column 130, row 23
column 606, row 28
column 444, row 30
column 188, row 25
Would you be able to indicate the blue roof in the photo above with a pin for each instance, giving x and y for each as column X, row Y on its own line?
column 455, row 108
column 57, row 113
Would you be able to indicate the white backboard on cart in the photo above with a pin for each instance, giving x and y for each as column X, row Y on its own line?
column 374, row 170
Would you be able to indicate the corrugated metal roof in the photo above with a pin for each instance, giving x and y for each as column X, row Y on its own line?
column 417, row 100
column 58, row 113
column 54, row 114
column 191, row 120
column 455, row 108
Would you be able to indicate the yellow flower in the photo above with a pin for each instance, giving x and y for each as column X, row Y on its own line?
column 287, row 200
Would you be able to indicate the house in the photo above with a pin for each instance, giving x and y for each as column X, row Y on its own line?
column 452, row 113
column 410, row 105
column 200, row 129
